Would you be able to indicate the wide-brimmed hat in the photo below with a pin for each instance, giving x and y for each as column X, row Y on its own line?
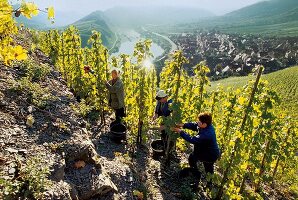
column 161, row 94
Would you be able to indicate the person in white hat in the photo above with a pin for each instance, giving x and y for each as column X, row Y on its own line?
column 162, row 109
column 116, row 94
column 162, row 106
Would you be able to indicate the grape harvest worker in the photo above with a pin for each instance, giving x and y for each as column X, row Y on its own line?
column 205, row 145
column 116, row 94
column 162, row 109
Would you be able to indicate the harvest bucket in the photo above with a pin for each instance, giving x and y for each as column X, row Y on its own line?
column 157, row 148
column 118, row 131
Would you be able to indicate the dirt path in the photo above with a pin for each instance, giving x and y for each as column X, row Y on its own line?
column 137, row 170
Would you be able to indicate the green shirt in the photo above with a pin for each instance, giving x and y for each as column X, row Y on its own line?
column 116, row 94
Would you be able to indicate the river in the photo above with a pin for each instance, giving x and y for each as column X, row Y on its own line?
column 129, row 39
column 127, row 47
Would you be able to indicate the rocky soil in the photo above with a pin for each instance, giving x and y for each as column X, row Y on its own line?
column 58, row 137
column 84, row 162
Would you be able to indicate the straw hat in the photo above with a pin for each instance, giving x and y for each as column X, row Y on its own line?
column 161, row 94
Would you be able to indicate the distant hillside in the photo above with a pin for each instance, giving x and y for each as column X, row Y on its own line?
column 34, row 23
column 95, row 21
column 130, row 17
column 284, row 82
column 139, row 16
column 275, row 17
column 268, row 18
column 265, row 9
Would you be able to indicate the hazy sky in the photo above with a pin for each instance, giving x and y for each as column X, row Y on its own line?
column 218, row 7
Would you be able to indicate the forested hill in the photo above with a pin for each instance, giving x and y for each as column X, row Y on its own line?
column 127, row 18
column 267, row 18
column 273, row 17
column 156, row 15
column 284, row 10
column 95, row 21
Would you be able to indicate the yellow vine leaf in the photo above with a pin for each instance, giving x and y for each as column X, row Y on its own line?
column 138, row 194
column 117, row 154
column 241, row 100
column 20, row 53
column 29, row 9
column 244, row 166
column 274, row 135
column 232, row 143
column 51, row 13
column 237, row 108
column 227, row 104
column 30, row 120
column 272, row 165
column 240, row 135
column 256, row 122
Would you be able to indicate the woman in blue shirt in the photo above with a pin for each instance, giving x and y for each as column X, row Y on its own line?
column 162, row 109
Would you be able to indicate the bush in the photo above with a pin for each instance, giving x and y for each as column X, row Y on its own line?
column 38, row 96
column 30, row 181
column 82, row 108
column 187, row 192
column 34, row 71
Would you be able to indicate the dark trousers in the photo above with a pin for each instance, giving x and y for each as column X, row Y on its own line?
column 120, row 113
column 193, row 160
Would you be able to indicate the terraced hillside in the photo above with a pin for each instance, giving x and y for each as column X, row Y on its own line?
column 95, row 21
column 285, row 82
